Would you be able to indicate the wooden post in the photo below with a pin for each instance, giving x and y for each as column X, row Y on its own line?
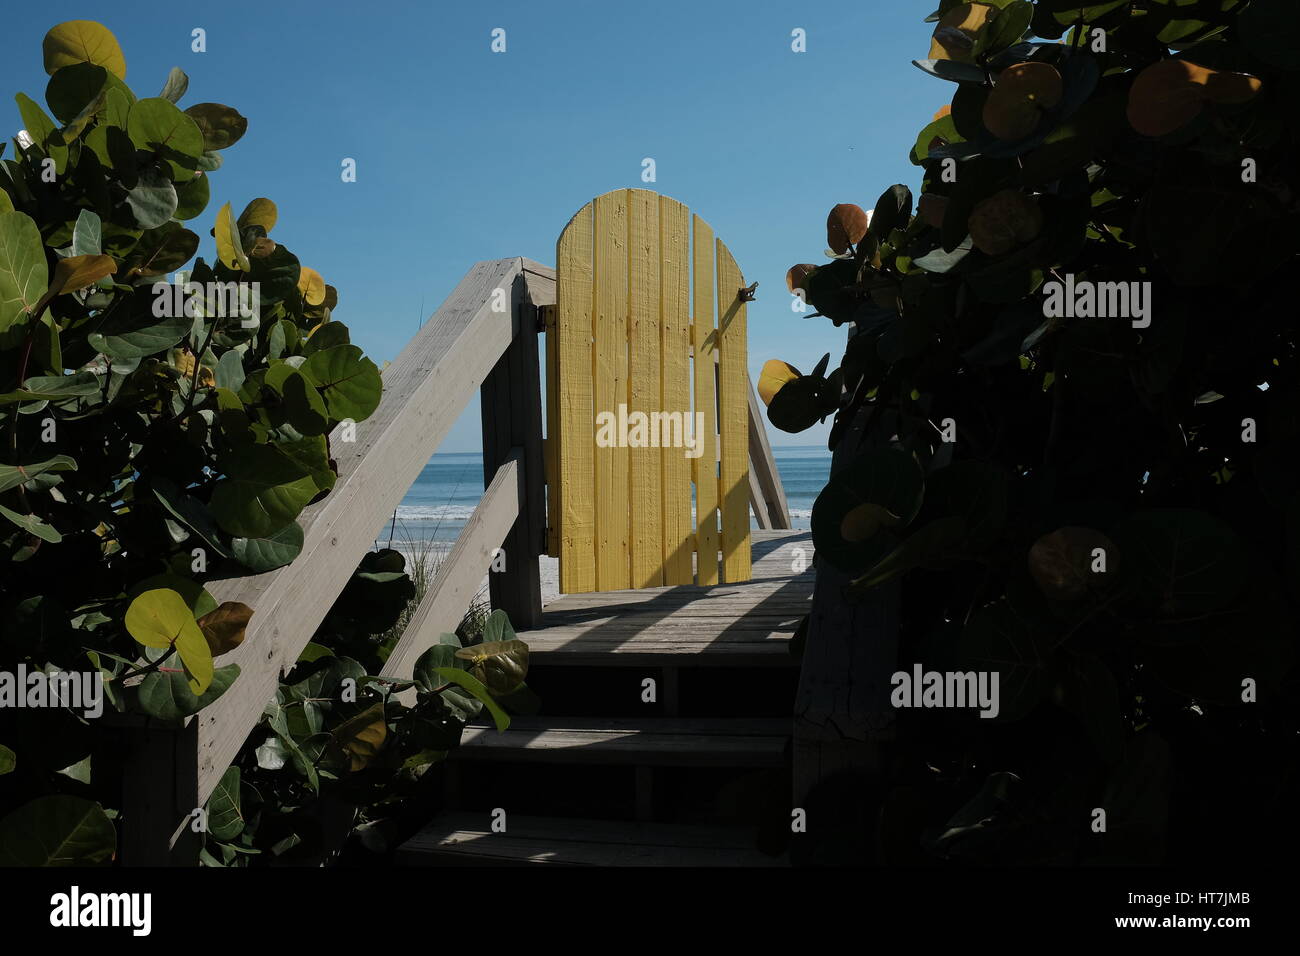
column 511, row 399
column 159, row 794
column 843, row 716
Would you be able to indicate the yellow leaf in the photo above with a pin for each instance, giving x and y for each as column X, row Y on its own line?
column 226, row 627
column 229, row 249
column 775, row 374
column 259, row 212
column 362, row 737
column 83, row 41
column 312, row 286
column 954, row 35
column 160, row 618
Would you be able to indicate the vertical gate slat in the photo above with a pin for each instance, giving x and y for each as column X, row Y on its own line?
column 706, row 469
column 609, row 371
column 733, row 420
column 573, row 267
column 675, row 247
column 644, row 388
column 552, row 438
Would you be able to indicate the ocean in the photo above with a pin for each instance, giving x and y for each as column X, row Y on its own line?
column 447, row 491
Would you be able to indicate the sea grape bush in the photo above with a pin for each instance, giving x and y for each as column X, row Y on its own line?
column 342, row 751
column 163, row 420
column 1074, row 363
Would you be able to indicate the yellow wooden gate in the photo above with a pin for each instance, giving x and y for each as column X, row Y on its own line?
column 649, row 316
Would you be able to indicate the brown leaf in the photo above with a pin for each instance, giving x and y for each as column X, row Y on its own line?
column 1063, row 563
column 225, row 627
column 1005, row 220
column 845, row 226
column 1024, row 92
column 798, row 276
column 1168, row 95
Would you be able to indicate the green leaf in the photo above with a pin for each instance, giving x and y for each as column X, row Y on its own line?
column 7, row 760
column 32, row 524
column 176, row 85
column 167, row 695
column 928, row 545
column 38, row 125
column 192, row 197
column 57, row 830
column 127, row 335
column 23, row 275
column 1002, row 639
column 160, row 618
column 162, row 250
column 225, row 815
column 879, row 490
column 1269, row 29
column 265, row 489
column 349, row 382
column 472, row 684
column 83, row 41
column 153, row 200
column 11, row 476
column 87, row 234
column 74, row 90
column 189, row 511
column 1181, row 562
column 1007, row 29
column 158, row 126
column 893, row 210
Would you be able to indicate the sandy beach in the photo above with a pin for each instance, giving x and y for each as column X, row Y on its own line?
column 548, row 566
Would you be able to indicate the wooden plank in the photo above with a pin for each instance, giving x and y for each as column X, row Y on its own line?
column 768, row 487
column 609, row 371
column 539, row 282
column 462, row 839
column 159, row 777
column 674, row 742
column 552, row 443
column 757, row 503
column 425, row 390
column 733, row 418
column 644, row 500
column 511, row 419
column 576, row 412
column 674, row 322
column 461, row 574
column 704, row 339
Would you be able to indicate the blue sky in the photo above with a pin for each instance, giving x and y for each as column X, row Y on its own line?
column 463, row 154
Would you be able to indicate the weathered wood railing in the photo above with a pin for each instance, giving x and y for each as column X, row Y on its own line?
column 484, row 336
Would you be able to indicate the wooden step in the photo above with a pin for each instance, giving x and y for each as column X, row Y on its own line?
column 646, row 742
column 676, row 647
column 461, row 839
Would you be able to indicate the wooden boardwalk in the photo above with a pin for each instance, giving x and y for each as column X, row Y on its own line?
column 659, row 632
